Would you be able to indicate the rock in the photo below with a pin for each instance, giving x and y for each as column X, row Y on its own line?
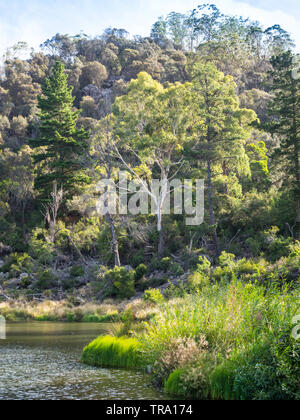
column 24, row 276
column 92, row 91
column 1, row 263
column 4, row 249
column 128, row 267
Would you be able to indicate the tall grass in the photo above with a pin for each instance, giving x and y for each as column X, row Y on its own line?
column 230, row 316
column 108, row 351
column 244, row 325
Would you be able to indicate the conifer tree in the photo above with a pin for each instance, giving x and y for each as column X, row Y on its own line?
column 60, row 143
column 285, row 110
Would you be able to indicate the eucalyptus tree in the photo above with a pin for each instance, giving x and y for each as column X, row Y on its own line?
column 151, row 123
column 105, row 165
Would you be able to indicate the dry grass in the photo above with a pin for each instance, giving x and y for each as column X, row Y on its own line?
column 64, row 310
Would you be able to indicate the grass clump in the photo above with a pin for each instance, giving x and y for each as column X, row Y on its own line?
column 228, row 341
column 108, row 351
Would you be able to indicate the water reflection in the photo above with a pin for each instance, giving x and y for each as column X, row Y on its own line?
column 41, row 361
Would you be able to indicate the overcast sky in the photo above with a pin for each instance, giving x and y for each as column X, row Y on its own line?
column 33, row 21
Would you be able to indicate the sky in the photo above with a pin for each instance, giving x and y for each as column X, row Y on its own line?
column 34, row 21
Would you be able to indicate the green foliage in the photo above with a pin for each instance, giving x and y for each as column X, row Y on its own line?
column 165, row 263
column 100, row 318
column 18, row 264
column 197, row 281
column 153, row 296
column 140, row 272
column 69, row 283
column 45, row 280
column 113, row 352
column 246, row 327
column 192, row 381
column 119, row 283
column 226, row 260
column 176, row 270
column 77, row 271
column 60, row 142
column 40, row 248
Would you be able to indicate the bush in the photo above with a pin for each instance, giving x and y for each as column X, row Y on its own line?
column 197, row 281
column 138, row 258
column 45, row 280
column 226, row 260
column 177, row 353
column 176, row 270
column 165, row 263
column 140, row 272
column 77, row 271
column 40, row 248
column 223, row 274
column 119, row 283
column 203, row 265
column 70, row 283
column 192, row 381
column 18, row 264
column 108, row 351
column 153, row 295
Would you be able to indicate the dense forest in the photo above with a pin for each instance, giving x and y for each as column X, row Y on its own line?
column 205, row 96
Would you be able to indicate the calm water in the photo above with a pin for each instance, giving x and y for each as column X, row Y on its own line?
column 41, row 361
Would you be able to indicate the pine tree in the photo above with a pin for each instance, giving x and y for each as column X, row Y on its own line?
column 285, row 110
column 221, row 129
column 60, row 143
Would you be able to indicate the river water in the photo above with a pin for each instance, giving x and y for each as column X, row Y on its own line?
column 40, row 361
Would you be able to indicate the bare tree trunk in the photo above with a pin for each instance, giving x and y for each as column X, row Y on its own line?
column 24, row 203
column 161, row 244
column 77, row 249
column 115, row 244
column 212, row 219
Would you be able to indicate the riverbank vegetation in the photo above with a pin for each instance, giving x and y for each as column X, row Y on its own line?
column 225, row 341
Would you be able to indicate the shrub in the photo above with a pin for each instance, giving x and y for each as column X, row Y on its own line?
column 165, row 263
column 77, row 271
column 197, row 281
column 138, row 258
column 119, row 283
column 17, row 264
column 75, row 316
column 108, row 351
column 40, row 248
column 192, row 381
column 223, row 274
column 226, row 260
column 70, row 283
column 153, row 296
column 203, row 265
column 45, row 280
column 176, row 270
column 178, row 352
column 140, row 272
